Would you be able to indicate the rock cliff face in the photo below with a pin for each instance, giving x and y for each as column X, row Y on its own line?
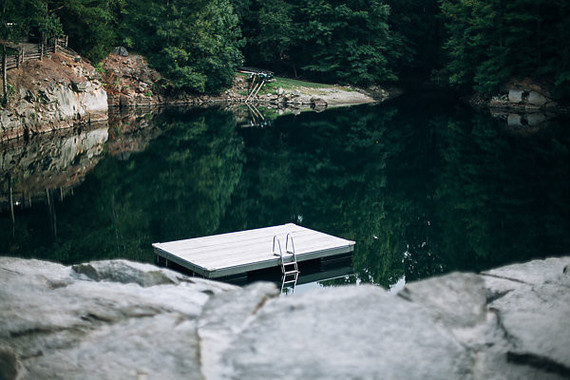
column 52, row 94
column 119, row 319
column 131, row 82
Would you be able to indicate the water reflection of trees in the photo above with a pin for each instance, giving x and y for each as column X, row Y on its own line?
column 178, row 187
column 328, row 172
column 501, row 197
column 422, row 193
column 421, row 190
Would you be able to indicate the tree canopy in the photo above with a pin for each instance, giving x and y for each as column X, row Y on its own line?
column 194, row 44
column 490, row 42
column 197, row 45
column 332, row 41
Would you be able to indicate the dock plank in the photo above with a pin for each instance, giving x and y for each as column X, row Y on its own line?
column 243, row 251
column 254, row 247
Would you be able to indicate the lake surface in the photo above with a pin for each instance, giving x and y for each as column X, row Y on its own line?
column 423, row 185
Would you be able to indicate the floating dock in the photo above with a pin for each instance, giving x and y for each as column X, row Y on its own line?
column 244, row 251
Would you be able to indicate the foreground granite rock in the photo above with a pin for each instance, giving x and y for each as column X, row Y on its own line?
column 118, row 319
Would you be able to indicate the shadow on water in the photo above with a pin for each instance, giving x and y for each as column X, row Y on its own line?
column 423, row 185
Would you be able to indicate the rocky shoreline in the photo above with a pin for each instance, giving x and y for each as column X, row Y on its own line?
column 60, row 92
column 120, row 319
column 525, row 106
column 55, row 93
column 132, row 83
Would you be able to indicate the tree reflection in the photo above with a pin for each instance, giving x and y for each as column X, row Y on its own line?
column 177, row 188
column 501, row 197
column 327, row 172
column 422, row 186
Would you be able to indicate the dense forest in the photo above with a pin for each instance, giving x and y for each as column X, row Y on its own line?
column 475, row 45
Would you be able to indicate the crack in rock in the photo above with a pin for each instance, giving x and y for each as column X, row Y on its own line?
column 540, row 362
column 511, row 339
column 493, row 296
column 505, row 278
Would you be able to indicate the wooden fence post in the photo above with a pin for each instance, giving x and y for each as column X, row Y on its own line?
column 54, row 44
column 4, row 77
column 41, row 51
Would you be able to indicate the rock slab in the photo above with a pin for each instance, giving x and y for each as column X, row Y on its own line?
column 119, row 319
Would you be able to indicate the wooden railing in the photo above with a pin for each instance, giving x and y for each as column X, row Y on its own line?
column 28, row 52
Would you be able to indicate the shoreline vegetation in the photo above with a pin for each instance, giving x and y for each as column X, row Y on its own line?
column 131, row 82
column 510, row 56
column 59, row 92
column 488, row 49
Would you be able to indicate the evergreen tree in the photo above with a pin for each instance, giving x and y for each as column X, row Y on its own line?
column 326, row 40
column 90, row 24
column 195, row 45
column 490, row 42
column 418, row 24
column 350, row 42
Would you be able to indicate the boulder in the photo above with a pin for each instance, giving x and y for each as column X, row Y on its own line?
column 80, row 86
column 516, row 96
column 457, row 300
column 120, row 50
column 55, row 105
column 318, row 104
column 343, row 333
column 65, row 324
column 536, row 99
column 533, row 302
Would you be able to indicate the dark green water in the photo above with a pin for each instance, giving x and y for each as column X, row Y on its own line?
column 423, row 187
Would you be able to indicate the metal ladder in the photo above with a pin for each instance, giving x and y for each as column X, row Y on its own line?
column 289, row 266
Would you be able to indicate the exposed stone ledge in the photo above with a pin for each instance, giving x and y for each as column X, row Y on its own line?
column 118, row 319
column 52, row 94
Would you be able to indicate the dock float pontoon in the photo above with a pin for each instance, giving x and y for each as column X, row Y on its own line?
column 244, row 251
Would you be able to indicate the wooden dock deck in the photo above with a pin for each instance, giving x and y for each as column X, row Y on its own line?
column 244, row 251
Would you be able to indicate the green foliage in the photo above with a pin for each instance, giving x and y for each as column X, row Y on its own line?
column 99, row 68
column 418, row 24
column 329, row 41
column 195, row 45
column 90, row 24
column 491, row 42
column 28, row 17
column 350, row 43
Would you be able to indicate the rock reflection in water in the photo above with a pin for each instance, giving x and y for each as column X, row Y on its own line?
column 54, row 161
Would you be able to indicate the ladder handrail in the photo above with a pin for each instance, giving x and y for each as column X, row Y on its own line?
column 279, row 245
column 290, row 237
